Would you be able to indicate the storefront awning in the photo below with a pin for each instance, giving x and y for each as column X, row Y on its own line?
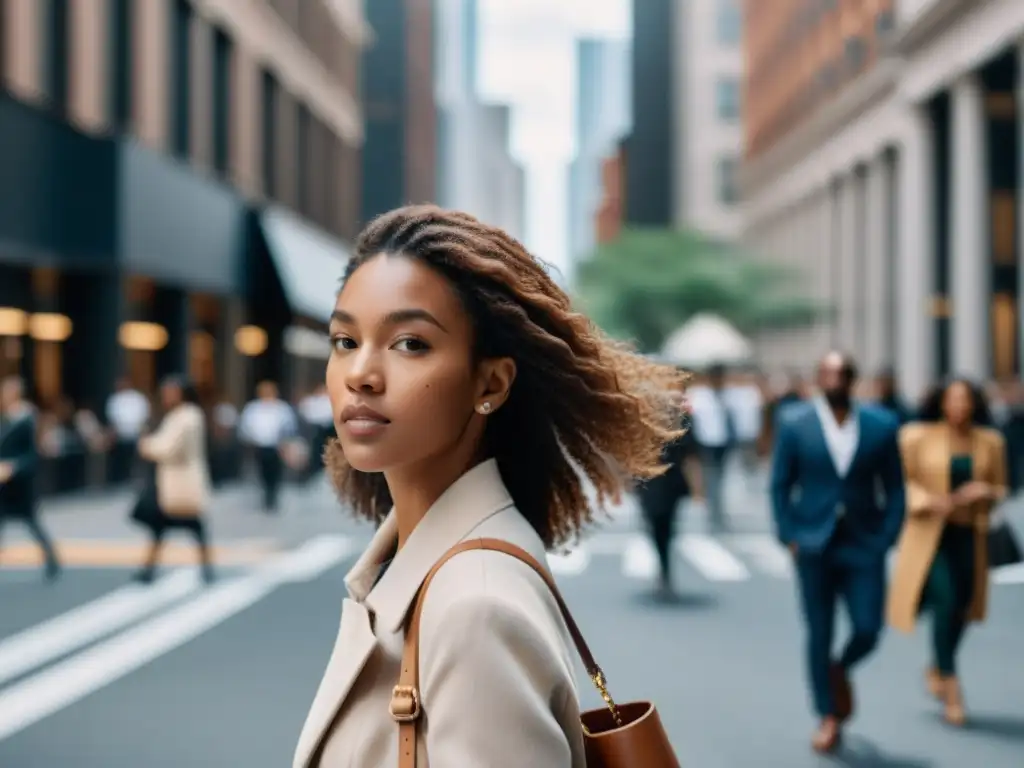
column 309, row 262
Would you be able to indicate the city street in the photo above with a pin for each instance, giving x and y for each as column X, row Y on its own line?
column 98, row 673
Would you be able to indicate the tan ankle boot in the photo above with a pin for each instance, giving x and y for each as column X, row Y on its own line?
column 933, row 682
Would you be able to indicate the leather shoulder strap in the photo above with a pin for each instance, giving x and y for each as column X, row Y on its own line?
column 405, row 699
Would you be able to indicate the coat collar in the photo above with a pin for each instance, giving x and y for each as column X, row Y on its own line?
column 477, row 495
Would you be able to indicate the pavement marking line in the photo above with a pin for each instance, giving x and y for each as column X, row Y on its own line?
column 1009, row 574
column 87, row 623
column 571, row 563
column 764, row 550
column 640, row 559
column 713, row 560
column 61, row 685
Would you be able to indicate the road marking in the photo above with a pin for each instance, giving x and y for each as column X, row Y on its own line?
column 571, row 563
column 712, row 559
column 765, row 551
column 85, row 624
column 1009, row 574
column 640, row 559
column 61, row 685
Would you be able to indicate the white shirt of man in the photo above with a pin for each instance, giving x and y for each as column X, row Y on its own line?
column 710, row 417
column 841, row 439
column 127, row 413
column 267, row 423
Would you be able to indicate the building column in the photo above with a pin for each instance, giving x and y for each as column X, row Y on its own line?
column 915, row 341
column 877, row 324
column 848, row 266
column 969, row 262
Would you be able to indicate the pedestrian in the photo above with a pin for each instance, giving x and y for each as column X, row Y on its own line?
column 831, row 458
column 956, row 472
column 714, row 429
column 267, row 424
column 179, row 493
column 659, row 499
column 471, row 402
column 19, row 463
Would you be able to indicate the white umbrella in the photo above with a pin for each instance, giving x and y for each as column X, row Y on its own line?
column 707, row 340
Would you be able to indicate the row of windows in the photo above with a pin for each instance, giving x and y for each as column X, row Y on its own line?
column 311, row 21
column 294, row 142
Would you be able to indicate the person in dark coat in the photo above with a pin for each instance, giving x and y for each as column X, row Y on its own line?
column 19, row 461
column 660, row 496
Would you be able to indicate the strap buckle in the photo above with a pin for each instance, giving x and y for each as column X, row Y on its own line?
column 405, row 704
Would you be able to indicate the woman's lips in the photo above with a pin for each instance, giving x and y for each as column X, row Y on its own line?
column 364, row 427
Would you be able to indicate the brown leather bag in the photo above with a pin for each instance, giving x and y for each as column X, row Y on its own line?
column 617, row 736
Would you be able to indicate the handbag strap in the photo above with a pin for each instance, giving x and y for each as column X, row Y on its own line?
column 405, row 698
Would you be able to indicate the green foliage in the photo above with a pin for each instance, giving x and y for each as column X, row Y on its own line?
column 648, row 282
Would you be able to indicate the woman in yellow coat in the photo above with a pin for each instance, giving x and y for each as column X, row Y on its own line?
column 955, row 472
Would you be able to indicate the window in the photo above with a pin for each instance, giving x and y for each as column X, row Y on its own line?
column 55, row 54
column 729, row 22
column 180, row 71
column 120, row 71
column 727, row 95
column 302, row 157
column 269, row 138
column 727, row 190
column 221, row 101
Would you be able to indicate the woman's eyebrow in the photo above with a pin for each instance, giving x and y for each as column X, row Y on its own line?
column 396, row 317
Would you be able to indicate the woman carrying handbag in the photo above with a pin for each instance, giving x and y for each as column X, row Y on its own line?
column 471, row 406
column 178, row 486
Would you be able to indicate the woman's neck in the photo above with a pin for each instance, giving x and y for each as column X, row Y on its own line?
column 415, row 490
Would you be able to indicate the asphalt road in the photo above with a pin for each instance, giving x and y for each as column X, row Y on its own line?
column 97, row 674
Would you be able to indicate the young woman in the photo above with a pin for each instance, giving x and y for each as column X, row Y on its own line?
column 179, row 490
column 470, row 402
column 955, row 472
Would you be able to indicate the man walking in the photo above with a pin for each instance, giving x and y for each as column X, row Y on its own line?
column 18, row 461
column 831, row 458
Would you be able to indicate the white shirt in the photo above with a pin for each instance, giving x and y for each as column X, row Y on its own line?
column 841, row 439
column 316, row 410
column 127, row 413
column 710, row 417
column 266, row 423
column 745, row 404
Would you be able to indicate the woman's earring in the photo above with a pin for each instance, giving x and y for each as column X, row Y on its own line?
column 483, row 408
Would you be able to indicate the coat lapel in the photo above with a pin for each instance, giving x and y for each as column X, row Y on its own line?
column 352, row 649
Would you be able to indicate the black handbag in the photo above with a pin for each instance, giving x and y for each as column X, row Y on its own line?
column 1003, row 547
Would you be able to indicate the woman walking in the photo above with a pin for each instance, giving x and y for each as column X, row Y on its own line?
column 955, row 472
column 180, row 489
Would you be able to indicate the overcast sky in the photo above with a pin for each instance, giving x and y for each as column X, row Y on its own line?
column 528, row 60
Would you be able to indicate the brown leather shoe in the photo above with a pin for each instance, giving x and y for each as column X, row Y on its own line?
column 842, row 692
column 828, row 736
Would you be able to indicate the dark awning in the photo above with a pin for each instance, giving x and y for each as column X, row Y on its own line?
column 309, row 262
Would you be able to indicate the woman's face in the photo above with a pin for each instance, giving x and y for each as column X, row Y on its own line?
column 957, row 403
column 401, row 377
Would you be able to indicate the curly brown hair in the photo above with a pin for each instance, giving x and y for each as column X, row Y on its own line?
column 579, row 398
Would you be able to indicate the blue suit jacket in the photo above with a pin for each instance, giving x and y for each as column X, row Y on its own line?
column 808, row 495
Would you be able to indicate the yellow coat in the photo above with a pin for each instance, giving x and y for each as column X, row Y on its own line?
column 926, row 453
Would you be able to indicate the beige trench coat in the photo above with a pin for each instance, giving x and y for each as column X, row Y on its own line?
column 496, row 662
column 926, row 458
column 178, row 447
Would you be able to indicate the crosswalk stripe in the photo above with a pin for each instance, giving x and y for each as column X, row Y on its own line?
column 640, row 560
column 712, row 559
column 77, row 628
column 572, row 563
column 767, row 553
